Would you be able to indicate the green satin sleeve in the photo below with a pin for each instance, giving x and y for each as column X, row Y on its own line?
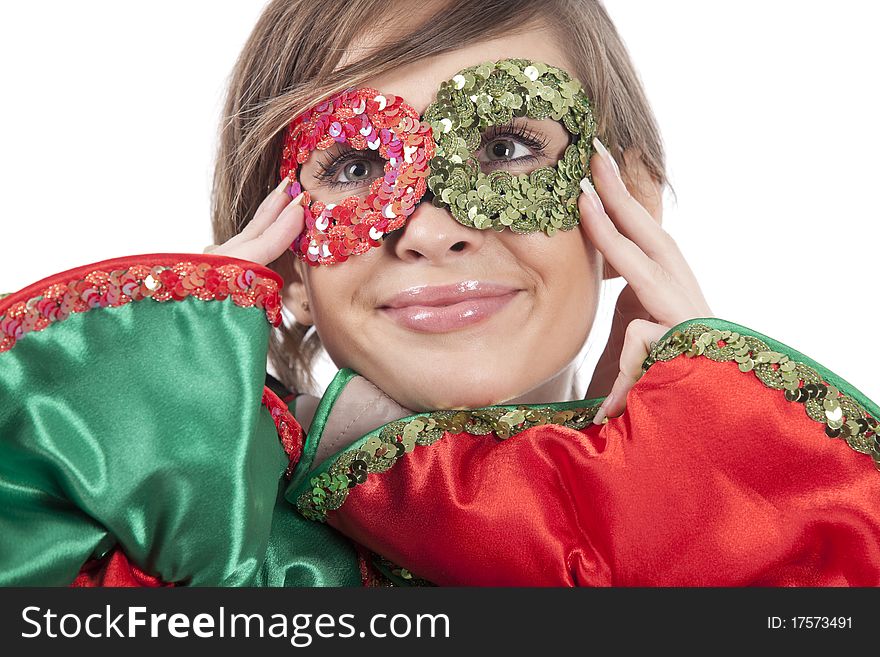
column 142, row 423
column 140, row 427
column 305, row 553
column 302, row 552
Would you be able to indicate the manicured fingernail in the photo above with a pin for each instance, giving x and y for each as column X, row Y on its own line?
column 298, row 198
column 592, row 196
column 282, row 186
column 601, row 415
column 600, row 147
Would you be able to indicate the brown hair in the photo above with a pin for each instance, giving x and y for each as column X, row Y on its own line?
column 289, row 63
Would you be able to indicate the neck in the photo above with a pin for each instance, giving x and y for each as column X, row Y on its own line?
column 561, row 387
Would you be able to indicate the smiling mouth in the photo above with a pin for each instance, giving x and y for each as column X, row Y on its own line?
column 450, row 308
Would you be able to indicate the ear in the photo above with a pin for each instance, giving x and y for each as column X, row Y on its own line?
column 295, row 294
column 643, row 187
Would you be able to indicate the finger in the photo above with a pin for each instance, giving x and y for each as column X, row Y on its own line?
column 265, row 214
column 669, row 296
column 268, row 211
column 274, row 241
column 637, row 344
column 628, row 215
column 619, row 251
column 627, row 308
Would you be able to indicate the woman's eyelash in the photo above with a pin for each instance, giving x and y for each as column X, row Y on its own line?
column 329, row 165
column 517, row 131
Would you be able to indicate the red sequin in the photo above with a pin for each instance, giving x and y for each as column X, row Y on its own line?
column 101, row 289
column 365, row 119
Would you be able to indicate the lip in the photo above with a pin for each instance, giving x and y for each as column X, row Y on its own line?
column 445, row 308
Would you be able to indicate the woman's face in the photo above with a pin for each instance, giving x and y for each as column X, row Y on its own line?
column 446, row 316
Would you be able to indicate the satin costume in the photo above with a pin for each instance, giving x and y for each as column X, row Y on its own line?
column 140, row 446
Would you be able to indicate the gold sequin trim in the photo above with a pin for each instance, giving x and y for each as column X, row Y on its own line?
column 842, row 415
column 380, row 452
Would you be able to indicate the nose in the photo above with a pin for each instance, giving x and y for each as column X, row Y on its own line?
column 431, row 234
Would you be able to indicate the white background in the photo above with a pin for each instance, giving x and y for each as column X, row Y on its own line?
column 769, row 111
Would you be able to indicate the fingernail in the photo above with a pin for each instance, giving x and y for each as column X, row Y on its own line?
column 282, row 186
column 298, row 198
column 600, row 147
column 592, row 196
column 601, row 415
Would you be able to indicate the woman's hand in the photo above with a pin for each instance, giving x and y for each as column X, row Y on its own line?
column 275, row 225
column 661, row 285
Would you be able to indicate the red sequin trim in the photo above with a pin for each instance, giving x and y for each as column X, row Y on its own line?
column 289, row 430
column 366, row 120
column 104, row 287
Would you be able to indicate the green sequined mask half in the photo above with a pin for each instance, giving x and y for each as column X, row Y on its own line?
column 479, row 97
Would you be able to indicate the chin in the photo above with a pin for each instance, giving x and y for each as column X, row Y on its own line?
column 456, row 392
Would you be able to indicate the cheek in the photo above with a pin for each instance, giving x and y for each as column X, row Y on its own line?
column 330, row 291
column 334, row 291
column 567, row 275
column 566, row 267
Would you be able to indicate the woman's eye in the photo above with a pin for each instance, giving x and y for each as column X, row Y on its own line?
column 503, row 149
column 357, row 171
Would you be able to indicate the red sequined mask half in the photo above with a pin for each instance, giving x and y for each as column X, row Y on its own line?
column 362, row 119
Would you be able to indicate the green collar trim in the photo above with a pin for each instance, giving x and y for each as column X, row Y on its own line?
column 319, row 421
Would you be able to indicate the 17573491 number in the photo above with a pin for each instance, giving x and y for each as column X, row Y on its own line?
column 809, row 622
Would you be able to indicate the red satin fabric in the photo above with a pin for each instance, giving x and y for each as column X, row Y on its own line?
column 709, row 479
column 115, row 570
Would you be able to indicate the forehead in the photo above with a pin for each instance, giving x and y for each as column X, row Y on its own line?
column 417, row 83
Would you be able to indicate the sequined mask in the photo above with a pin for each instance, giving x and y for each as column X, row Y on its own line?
column 439, row 152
